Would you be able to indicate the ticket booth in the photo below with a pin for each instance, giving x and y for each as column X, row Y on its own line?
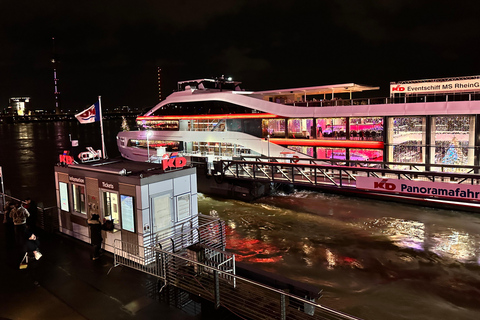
column 138, row 202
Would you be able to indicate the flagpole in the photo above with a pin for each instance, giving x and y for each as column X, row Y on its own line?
column 101, row 126
column 3, row 190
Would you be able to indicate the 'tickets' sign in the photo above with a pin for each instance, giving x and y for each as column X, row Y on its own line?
column 108, row 185
column 425, row 188
column 174, row 161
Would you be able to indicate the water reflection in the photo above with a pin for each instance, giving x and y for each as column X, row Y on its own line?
column 457, row 245
column 402, row 233
column 448, row 244
column 362, row 253
column 29, row 151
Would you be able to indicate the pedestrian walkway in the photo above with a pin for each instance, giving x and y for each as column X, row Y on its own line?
column 66, row 284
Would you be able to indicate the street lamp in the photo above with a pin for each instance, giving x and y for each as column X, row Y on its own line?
column 149, row 133
column 268, row 145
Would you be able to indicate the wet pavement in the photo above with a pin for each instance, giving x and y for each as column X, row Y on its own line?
column 66, row 284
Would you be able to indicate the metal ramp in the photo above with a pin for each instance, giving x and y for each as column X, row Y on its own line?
column 311, row 173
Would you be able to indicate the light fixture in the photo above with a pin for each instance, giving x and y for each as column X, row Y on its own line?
column 149, row 133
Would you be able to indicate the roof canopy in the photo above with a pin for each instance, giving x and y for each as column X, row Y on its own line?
column 335, row 88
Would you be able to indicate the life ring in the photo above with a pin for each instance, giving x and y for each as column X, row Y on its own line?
column 295, row 159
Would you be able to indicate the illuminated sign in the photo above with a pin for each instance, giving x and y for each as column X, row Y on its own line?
column 66, row 158
column 63, row 189
column 73, row 179
column 436, row 86
column 107, row 185
column 174, row 162
column 422, row 188
column 128, row 216
column 90, row 155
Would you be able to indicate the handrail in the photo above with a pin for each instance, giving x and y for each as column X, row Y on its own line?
column 260, row 285
column 412, row 98
column 227, row 163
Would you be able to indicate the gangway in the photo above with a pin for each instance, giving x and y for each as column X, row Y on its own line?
column 208, row 272
column 343, row 176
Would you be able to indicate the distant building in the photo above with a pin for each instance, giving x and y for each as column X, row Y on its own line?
column 20, row 105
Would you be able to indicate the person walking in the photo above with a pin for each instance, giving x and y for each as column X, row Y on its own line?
column 32, row 243
column 31, row 206
column 95, row 235
column 19, row 215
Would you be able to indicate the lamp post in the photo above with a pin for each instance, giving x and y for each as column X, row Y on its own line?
column 149, row 133
column 268, row 146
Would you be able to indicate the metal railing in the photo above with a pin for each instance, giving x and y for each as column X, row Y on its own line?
column 211, row 281
column 413, row 98
column 247, row 298
column 47, row 218
column 318, row 175
column 413, row 166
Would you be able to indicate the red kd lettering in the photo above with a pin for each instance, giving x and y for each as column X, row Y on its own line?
column 384, row 185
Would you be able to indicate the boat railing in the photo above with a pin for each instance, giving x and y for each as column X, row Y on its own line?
column 336, row 102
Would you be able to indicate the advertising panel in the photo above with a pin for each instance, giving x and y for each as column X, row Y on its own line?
column 128, row 217
column 423, row 188
column 63, row 196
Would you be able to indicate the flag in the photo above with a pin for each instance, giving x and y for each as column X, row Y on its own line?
column 89, row 115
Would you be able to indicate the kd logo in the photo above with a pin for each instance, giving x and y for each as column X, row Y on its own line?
column 384, row 185
column 398, row 88
column 174, row 161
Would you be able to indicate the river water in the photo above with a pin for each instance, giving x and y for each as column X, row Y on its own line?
column 373, row 259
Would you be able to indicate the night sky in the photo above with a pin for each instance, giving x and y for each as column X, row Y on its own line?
column 113, row 48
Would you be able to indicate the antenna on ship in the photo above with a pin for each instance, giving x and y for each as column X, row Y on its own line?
column 55, row 78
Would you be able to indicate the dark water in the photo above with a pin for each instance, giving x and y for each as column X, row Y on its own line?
column 373, row 259
column 29, row 152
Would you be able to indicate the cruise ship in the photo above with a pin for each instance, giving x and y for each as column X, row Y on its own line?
column 431, row 123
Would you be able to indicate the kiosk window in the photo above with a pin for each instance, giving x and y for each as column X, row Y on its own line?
column 183, row 207
column 162, row 206
column 63, row 196
column 78, row 193
column 110, row 207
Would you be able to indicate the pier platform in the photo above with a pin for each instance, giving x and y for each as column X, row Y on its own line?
column 66, row 284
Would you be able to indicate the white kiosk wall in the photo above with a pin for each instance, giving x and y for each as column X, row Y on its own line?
column 167, row 205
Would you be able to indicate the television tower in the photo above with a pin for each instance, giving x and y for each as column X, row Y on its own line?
column 159, row 84
column 55, row 79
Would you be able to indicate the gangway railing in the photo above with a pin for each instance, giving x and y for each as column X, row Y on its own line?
column 321, row 175
column 408, row 166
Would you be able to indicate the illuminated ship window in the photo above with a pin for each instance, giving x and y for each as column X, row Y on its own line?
column 453, row 141
column 331, row 128
column 170, row 125
column 273, row 127
column 331, row 153
column 407, row 139
column 170, row 145
column 366, row 128
column 301, row 128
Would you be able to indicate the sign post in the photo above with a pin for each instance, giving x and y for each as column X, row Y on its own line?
column 3, row 190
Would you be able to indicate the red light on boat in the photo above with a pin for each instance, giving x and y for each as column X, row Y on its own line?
column 330, row 143
column 212, row 116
